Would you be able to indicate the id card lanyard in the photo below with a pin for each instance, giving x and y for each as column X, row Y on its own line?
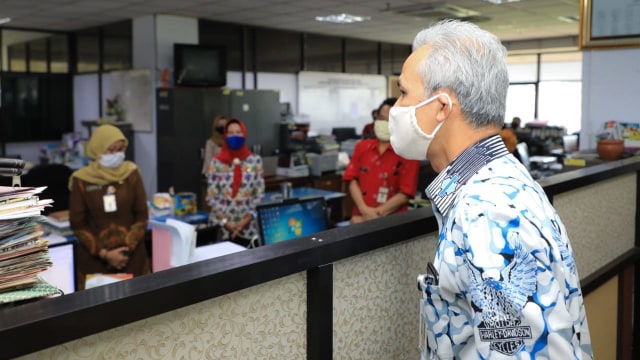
column 109, row 200
column 383, row 191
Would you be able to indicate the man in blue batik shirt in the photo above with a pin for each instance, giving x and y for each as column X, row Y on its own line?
column 504, row 282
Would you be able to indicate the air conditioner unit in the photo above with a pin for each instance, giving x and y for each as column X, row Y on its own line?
column 435, row 10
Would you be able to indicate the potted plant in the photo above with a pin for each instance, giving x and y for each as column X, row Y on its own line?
column 114, row 110
column 610, row 146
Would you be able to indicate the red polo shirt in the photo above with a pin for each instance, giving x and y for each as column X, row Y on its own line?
column 374, row 170
column 368, row 129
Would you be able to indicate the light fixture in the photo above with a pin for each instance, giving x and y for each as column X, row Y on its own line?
column 342, row 18
column 4, row 20
column 498, row 2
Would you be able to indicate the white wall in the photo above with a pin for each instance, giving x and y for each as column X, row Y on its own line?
column 171, row 30
column 610, row 88
column 28, row 151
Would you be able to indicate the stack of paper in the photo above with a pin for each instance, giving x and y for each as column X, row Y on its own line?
column 58, row 223
column 23, row 252
column 21, row 202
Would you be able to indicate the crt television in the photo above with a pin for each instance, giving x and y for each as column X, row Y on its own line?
column 291, row 218
column 197, row 65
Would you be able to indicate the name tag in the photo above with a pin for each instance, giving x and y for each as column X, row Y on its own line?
column 109, row 202
column 382, row 194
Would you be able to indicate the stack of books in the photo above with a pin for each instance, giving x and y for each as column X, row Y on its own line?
column 23, row 252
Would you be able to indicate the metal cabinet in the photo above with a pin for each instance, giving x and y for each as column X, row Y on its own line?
column 185, row 117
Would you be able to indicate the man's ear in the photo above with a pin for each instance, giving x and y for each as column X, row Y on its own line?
column 446, row 106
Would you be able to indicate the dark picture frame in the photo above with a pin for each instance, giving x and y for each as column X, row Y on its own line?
column 609, row 24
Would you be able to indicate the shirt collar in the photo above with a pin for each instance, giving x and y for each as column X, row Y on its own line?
column 374, row 145
column 444, row 188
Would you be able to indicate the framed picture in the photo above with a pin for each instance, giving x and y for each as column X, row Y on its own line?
column 609, row 24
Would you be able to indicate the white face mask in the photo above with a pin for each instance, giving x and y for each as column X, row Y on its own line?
column 381, row 129
column 113, row 160
column 407, row 139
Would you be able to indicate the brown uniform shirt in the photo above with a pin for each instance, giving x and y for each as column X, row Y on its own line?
column 97, row 229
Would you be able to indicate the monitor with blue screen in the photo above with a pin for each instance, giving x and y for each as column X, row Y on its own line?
column 291, row 218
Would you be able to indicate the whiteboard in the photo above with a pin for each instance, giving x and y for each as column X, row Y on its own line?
column 135, row 90
column 327, row 100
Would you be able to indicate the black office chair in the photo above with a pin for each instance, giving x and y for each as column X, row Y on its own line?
column 344, row 133
column 208, row 235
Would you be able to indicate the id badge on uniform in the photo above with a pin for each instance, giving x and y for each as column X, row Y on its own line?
column 382, row 194
column 109, row 200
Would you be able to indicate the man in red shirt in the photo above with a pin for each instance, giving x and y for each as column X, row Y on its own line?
column 380, row 181
column 382, row 112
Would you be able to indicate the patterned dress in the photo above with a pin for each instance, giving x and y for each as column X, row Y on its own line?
column 508, row 285
column 250, row 193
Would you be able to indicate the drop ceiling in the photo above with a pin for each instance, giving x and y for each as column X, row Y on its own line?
column 395, row 21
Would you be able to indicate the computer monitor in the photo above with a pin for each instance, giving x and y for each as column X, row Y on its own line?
column 61, row 273
column 344, row 133
column 291, row 218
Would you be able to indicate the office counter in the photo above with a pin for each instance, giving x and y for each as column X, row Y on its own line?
column 343, row 293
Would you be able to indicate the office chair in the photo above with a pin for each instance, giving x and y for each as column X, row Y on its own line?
column 344, row 133
column 56, row 178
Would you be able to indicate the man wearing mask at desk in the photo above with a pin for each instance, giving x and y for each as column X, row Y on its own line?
column 380, row 181
column 503, row 283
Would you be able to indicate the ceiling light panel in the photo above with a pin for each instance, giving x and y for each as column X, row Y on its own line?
column 342, row 18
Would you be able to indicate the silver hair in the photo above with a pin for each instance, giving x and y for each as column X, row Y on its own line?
column 471, row 63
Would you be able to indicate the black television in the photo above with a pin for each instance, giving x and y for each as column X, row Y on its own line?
column 197, row 65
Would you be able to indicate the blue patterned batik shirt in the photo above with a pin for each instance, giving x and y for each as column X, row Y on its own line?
column 508, row 285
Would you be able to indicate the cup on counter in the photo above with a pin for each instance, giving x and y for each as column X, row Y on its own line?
column 286, row 189
column 570, row 143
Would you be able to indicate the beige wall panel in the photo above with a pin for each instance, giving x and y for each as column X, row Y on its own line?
column 267, row 321
column 602, row 313
column 375, row 311
column 600, row 220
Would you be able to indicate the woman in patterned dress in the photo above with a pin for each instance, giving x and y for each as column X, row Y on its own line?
column 235, row 184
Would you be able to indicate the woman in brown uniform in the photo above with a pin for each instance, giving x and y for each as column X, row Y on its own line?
column 108, row 210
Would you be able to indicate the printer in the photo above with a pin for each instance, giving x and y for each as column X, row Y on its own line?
column 320, row 164
column 323, row 155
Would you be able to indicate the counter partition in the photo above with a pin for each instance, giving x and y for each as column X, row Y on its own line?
column 343, row 293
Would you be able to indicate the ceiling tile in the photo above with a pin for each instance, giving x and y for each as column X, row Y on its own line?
column 528, row 19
